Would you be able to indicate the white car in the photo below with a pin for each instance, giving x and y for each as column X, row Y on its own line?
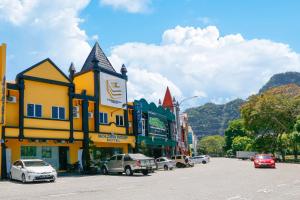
column 30, row 170
column 165, row 163
column 201, row 159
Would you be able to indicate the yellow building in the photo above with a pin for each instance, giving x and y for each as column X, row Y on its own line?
column 56, row 118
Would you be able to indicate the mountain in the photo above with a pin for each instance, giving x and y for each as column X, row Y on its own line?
column 290, row 90
column 211, row 119
column 281, row 79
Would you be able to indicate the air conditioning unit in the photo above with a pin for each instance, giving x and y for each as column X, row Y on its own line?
column 11, row 99
column 91, row 115
column 75, row 109
column 76, row 115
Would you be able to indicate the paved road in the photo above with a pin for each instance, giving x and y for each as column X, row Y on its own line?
column 221, row 179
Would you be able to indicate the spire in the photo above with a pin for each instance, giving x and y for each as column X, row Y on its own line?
column 72, row 71
column 159, row 102
column 97, row 55
column 123, row 70
column 168, row 102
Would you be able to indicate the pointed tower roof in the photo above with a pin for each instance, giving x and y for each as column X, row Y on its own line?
column 168, row 102
column 97, row 54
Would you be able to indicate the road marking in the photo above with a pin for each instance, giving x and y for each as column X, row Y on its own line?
column 238, row 197
column 265, row 190
column 281, row 185
column 62, row 194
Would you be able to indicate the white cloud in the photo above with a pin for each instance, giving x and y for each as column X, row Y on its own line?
column 131, row 6
column 49, row 28
column 199, row 61
column 16, row 11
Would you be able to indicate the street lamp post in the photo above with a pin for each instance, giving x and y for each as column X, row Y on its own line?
column 177, row 105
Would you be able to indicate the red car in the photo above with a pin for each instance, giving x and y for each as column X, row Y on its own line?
column 264, row 160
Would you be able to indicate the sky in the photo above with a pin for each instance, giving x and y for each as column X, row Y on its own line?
column 216, row 50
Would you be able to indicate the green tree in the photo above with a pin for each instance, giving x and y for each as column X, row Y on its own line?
column 235, row 128
column 242, row 143
column 212, row 145
column 295, row 138
column 269, row 116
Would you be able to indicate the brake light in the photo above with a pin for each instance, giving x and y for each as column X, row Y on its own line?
column 138, row 163
column 256, row 161
column 272, row 161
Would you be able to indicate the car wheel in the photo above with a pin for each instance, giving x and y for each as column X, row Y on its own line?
column 203, row 162
column 128, row 171
column 23, row 178
column 166, row 167
column 53, row 180
column 104, row 171
column 145, row 172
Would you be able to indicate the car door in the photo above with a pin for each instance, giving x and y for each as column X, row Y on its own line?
column 13, row 170
column 17, row 170
column 161, row 162
column 119, row 163
column 111, row 163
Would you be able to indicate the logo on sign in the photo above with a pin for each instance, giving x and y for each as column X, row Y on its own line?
column 114, row 91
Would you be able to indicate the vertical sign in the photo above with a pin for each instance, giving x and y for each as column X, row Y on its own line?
column 139, row 116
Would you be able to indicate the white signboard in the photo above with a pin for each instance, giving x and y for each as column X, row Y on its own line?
column 112, row 90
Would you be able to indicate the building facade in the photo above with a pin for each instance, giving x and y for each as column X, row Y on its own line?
column 47, row 115
column 155, row 129
column 192, row 141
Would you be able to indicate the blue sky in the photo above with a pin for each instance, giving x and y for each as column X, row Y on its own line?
column 275, row 20
column 218, row 50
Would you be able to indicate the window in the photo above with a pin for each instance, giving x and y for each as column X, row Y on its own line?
column 46, row 152
column 119, row 120
column 28, row 152
column 103, row 118
column 119, row 157
column 34, row 110
column 113, row 158
column 143, row 126
column 58, row 112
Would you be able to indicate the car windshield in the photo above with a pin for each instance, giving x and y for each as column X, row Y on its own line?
column 138, row 156
column 35, row 163
column 263, row 157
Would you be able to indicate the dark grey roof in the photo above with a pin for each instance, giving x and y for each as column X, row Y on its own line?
column 97, row 54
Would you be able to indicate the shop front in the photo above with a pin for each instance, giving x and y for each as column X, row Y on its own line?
column 155, row 129
column 104, row 146
column 58, row 153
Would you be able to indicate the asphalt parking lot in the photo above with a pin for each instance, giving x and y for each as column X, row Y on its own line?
column 221, row 179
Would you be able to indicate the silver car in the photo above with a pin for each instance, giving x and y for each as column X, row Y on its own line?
column 201, row 159
column 165, row 163
column 129, row 163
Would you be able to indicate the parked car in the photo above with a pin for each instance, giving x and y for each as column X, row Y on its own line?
column 129, row 163
column 201, row 159
column 264, row 160
column 164, row 163
column 31, row 170
column 182, row 161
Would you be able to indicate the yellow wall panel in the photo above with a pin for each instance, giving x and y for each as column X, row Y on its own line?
column 78, row 135
column 11, row 132
column 12, row 110
column 46, row 123
column 47, row 71
column 85, row 82
column 47, row 95
column 46, row 134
